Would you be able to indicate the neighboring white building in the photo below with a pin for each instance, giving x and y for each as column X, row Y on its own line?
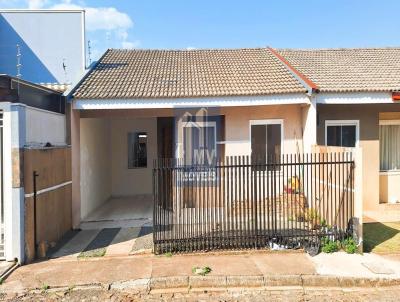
column 51, row 44
column 33, row 136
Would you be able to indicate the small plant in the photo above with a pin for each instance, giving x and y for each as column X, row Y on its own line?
column 1, row 281
column 168, row 254
column 202, row 271
column 349, row 245
column 45, row 287
column 329, row 246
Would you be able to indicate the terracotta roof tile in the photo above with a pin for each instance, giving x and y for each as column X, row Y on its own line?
column 187, row 73
column 348, row 70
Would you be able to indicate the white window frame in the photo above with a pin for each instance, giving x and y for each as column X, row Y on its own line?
column 343, row 123
column 388, row 123
column 268, row 122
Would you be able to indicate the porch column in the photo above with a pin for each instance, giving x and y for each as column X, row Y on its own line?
column 14, row 129
column 309, row 115
column 76, row 167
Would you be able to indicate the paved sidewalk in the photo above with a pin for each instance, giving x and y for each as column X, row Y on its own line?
column 247, row 269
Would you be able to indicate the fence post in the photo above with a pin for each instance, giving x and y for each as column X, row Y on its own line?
column 357, row 219
column 35, row 174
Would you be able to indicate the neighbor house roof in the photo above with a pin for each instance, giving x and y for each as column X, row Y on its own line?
column 130, row 74
column 348, row 70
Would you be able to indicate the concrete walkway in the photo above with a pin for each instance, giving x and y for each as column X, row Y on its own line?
column 108, row 241
column 228, row 269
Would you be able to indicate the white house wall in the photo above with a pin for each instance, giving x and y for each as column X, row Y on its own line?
column 95, row 154
column 45, row 126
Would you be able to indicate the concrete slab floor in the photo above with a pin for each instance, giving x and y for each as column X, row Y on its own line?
column 124, row 208
column 123, row 212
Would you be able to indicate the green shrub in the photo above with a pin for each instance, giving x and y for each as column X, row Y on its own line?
column 202, row 271
column 349, row 245
column 329, row 246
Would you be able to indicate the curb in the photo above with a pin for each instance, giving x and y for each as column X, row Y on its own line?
column 210, row 282
column 220, row 283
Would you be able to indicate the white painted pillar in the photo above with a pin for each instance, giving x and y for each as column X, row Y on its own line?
column 309, row 115
column 76, row 167
column 14, row 137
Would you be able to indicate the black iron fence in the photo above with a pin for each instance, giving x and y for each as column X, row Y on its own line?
column 241, row 202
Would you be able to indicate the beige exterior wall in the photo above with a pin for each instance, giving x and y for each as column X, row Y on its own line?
column 368, row 116
column 237, row 127
column 95, row 158
column 104, row 146
column 138, row 181
column 389, row 187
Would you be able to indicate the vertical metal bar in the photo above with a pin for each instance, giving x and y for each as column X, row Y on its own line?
column 264, row 211
column 317, row 201
column 154, row 207
column 35, row 243
column 220, row 203
column 255, row 188
column 243, row 203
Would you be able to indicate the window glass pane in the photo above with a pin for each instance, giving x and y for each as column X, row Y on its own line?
column 333, row 136
column 274, row 145
column 137, row 150
column 341, row 136
column 265, row 141
column 258, row 141
column 258, row 145
column 348, row 136
column 389, row 146
column 274, row 141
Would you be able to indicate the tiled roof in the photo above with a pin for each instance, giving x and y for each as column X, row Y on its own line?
column 187, row 73
column 348, row 70
column 56, row 86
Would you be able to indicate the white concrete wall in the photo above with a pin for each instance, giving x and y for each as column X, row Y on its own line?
column 43, row 57
column 45, row 126
column 126, row 182
column 95, row 154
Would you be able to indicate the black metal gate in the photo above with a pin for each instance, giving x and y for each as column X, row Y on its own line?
column 242, row 202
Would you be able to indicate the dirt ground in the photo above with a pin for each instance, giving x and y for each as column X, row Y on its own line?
column 254, row 295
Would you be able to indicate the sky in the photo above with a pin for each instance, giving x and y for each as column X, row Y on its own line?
column 195, row 24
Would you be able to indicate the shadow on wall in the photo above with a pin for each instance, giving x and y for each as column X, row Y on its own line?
column 32, row 68
column 381, row 237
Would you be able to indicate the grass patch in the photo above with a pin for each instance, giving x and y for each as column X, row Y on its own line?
column 45, row 287
column 93, row 253
column 382, row 237
column 168, row 254
column 202, row 271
